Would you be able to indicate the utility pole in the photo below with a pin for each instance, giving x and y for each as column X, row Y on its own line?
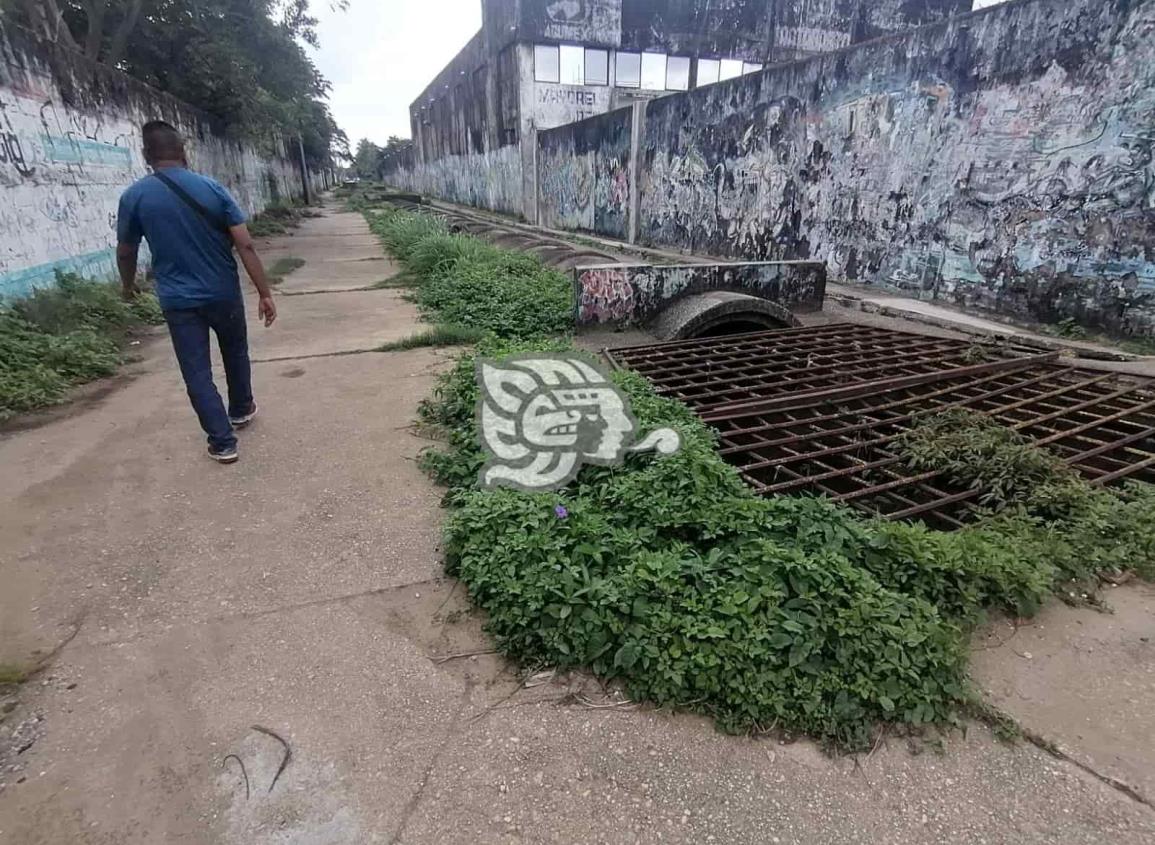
column 304, row 169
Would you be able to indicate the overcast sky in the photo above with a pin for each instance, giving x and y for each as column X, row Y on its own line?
column 380, row 54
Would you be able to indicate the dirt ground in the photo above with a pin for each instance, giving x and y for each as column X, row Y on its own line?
column 202, row 625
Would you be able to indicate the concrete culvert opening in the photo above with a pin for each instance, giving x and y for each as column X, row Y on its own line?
column 720, row 313
column 738, row 324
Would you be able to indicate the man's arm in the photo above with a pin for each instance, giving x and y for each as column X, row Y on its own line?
column 128, row 235
column 243, row 241
column 126, row 260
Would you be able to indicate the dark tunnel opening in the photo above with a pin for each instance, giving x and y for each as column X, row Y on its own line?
column 738, row 324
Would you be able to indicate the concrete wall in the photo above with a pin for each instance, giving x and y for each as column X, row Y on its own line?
column 69, row 145
column 634, row 294
column 491, row 180
column 584, row 175
column 486, row 97
column 1002, row 160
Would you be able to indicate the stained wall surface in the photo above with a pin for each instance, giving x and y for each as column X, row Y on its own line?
column 69, row 145
column 490, row 180
column 633, row 294
column 1003, row 159
column 583, row 173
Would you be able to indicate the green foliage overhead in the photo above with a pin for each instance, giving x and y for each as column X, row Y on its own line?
column 371, row 161
column 239, row 60
column 63, row 336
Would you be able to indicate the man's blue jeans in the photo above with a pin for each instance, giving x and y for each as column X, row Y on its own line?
column 189, row 329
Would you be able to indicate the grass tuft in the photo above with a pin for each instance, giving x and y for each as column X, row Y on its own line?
column 62, row 336
column 285, row 266
column 282, row 267
column 441, row 335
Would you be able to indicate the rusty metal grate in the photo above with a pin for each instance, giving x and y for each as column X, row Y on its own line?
column 817, row 410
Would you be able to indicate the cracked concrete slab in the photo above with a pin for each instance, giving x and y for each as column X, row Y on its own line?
column 307, row 514
column 357, row 321
column 1082, row 680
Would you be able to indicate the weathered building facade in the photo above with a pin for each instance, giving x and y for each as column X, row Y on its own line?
column 536, row 64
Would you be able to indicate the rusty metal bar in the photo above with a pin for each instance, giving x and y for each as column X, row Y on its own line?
column 814, row 409
column 873, row 387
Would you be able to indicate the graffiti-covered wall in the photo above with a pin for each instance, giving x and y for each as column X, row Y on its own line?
column 70, row 144
column 489, row 180
column 1003, row 159
column 583, row 175
column 633, row 294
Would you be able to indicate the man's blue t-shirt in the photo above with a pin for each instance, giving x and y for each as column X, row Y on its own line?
column 192, row 260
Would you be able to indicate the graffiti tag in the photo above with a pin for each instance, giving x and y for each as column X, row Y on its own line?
column 12, row 153
column 567, row 97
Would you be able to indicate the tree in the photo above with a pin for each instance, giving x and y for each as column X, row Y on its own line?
column 242, row 61
column 367, row 159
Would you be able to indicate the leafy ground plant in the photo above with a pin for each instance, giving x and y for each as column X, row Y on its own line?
column 670, row 576
column 1040, row 505
column 460, row 280
column 63, row 336
column 278, row 219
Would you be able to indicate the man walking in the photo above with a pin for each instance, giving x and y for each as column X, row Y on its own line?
column 191, row 224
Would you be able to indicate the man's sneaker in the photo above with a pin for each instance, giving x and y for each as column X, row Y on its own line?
column 242, row 421
column 225, row 455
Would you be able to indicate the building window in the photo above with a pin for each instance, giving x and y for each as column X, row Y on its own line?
column 597, row 67
column 545, row 63
column 730, row 69
column 654, row 71
column 708, row 70
column 629, row 70
column 751, row 67
column 678, row 73
column 572, row 62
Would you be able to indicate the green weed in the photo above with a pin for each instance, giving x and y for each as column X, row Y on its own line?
column 441, row 335
column 284, row 266
column 460, row 280
column 11, row 675
column 63, row 336
column 671, row 576
column 1045, row 513
column 400, row 280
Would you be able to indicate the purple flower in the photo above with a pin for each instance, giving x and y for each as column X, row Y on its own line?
column 560, row 511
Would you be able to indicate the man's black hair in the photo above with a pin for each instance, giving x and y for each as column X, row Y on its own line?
column 162, row 142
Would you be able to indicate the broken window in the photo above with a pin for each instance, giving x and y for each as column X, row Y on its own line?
column 629, row 70
column 751, row 67
column 708, row 71
column 597, row 67
column 572, row 63
column 678, row 73
column 730, row 69
column 545, row 63
column 654, row 71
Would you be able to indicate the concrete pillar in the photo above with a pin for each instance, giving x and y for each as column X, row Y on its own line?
column 529, row 175
column 637, row 135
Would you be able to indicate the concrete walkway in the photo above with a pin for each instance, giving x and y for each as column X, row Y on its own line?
column 300, row 591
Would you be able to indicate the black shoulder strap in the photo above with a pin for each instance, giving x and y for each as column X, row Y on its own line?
column 215, row 222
